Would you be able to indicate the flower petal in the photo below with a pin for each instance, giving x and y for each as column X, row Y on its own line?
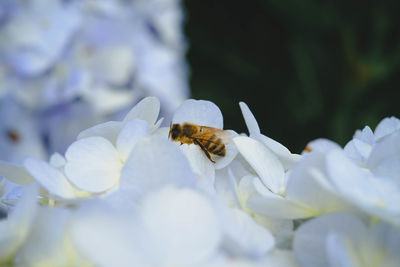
column 263, row 161
column 200, row 164
column 200, row 112
column 322, row 145
column 16, row 227
column 104, row 237
column 244, row 235
column 133, row 131
column 50, row 178
column 287, row 158
column 308, row 184
column 278, row 207
column 182, row 226
column 147, row 110
column 249, row 119
column 231, row 151
column 93, row 164
column 385, row 156
column 362, row 188
column 155, row 162
column 284, row 155
column 337, row 251
column 50, row 228
column 387, row 126
column 109, row 130
column 57, row 160
column 309, row 244
column 14, row 173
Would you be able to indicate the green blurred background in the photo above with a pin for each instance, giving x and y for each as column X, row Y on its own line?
column 306, row 68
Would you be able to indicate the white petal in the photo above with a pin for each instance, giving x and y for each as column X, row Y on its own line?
column 278, row 207
column 269, row 204
column 365, row 135
column 16, row 227
column 50, row 228
column 104, row 237
column 353, row 153
column 246, row 190
column 244, row 235
column 321, row 145
column 364, row 148
column 147, row 109
column 157, row 125
column 200, row 164
column 337, row 251
column 200, row 112
column 161, row 132
column 385, row 244
column 115, row 63
column 310, row 238
column 282, row 230
column 231, row 151
column 385, row 151
column 250, row 120
column 109, row 130
column 308, row 184
column 358, row 185
column 93, row 164
column 133, row 131
column 287, row 159
column 155, row 162
column 25, row 210
column 263, row 161
column 182, row 225
column 14, row 173
column 387, row 126
column 107, row 100
column 226, row 188
column 57, row 160
column 50, row 178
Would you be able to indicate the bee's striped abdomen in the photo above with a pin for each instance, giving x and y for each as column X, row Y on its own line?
column 215, row 146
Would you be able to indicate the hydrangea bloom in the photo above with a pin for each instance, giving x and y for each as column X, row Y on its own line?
column 61, row 59
column 125, row 195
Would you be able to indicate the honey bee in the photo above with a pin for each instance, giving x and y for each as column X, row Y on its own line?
column 209, row 139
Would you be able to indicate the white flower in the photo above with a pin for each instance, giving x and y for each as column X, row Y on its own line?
column 339, row 239
column 268, row 158
column 94, row 163
column 366, row 173
column 169, row 226
column 287, row 186
column 375, row 194
column 61, row 59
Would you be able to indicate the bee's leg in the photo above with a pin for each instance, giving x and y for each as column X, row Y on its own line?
column 204, row 150
column 181, row 144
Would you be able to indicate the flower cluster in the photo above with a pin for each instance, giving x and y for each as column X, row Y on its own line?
column 125, row 195
column 61, row 59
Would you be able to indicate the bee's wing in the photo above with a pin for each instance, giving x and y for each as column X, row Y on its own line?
column 207, row 134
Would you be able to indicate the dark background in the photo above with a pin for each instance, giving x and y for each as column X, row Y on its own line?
column 306, row 68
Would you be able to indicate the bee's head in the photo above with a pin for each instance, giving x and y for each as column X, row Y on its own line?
column 174, row 131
